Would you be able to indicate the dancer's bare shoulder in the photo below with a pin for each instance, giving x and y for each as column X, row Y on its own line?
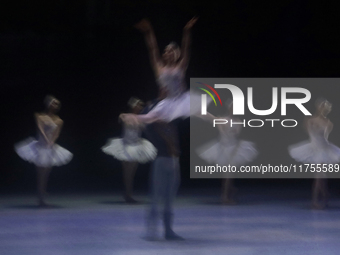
column 57, row 120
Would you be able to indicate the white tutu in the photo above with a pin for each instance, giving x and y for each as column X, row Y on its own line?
column 181, row 106
column 177, row 103
column 38, row 153
column 142, row 151
column 235, row 154
column 315, row 153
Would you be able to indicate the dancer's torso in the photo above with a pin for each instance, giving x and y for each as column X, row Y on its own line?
column 317, row 131
column 172, row 79
column 49, row 126
column 131, row 134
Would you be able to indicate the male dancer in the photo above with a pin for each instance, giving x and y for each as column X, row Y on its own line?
column 165, row 174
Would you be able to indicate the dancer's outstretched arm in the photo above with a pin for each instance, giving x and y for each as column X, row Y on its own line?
column 186, row 42
column 145, row 27
column 138, row 119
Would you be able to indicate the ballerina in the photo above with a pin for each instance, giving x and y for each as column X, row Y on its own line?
column 170, row 73
column 44, row 152
column 318, row 150
column 131, row 150
column 227, row 150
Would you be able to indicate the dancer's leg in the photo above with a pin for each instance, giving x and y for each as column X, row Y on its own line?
column 228, row 191
column 172, row 180
column 156, row 188
column 42, row 180
column 319, row 192
column 129, row 171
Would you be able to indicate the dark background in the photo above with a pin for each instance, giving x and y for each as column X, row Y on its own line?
column 89, row 56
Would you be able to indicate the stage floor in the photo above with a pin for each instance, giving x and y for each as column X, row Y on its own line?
column 102, row 224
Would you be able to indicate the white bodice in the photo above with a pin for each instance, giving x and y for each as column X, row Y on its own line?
column 228, row 134
column 131, row 134
column 172, row 79
column 49, row 127
column 317, row 134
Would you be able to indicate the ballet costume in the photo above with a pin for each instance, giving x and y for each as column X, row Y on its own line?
column 228, row 149
column 316, row 150
column 39, row 152
column 131, row 147
column 177, row 103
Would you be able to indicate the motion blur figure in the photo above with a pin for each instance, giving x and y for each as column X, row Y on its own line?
column 131, row 149
column 165, row 174
column 228, row 149
column 318, row 150
column 44, row 152
column 169, row 70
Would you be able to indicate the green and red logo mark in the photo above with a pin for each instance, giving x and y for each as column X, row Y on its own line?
column 208, row 92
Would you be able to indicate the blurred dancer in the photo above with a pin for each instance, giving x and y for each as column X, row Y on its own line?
column 131, row 150
column 318, row 150
column 170, row 71
column 165, row 174
column 44, row 152
column 227, row 150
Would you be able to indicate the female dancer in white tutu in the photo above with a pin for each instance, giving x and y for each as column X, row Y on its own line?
column 170, row 73
column 318, row 150
column 44, row 152
column 131, row 150
column 227, row 150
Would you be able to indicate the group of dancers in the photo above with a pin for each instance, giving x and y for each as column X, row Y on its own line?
column 158, row 120
column 228, row 149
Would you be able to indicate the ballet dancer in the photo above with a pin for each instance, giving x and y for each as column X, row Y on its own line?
column 131, row 149
column 165, row 174
column 318, row 150
column 44, row 152
column 227, row 149
column 170, row 73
